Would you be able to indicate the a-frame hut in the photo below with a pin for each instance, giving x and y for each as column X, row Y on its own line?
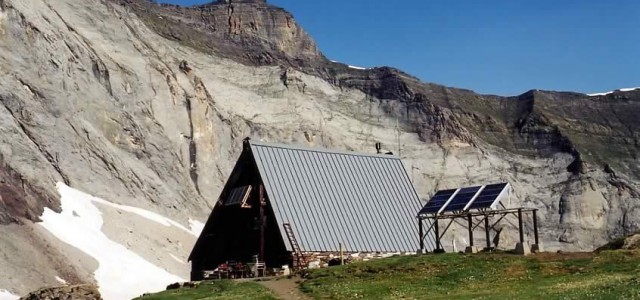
column 365, row 202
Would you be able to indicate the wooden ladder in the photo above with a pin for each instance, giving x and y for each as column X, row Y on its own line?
column 300, row 260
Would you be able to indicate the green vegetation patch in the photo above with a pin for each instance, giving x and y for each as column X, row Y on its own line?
column 606, row 275
column 209, row 290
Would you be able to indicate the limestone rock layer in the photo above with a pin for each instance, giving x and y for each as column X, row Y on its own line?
column 145, row 106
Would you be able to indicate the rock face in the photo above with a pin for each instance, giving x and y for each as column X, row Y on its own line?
column 75, row 292
column 146, row 105
column 249, row 31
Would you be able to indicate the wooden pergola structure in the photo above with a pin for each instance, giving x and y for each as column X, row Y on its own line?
column 474, row 219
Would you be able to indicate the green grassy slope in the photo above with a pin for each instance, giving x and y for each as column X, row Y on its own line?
column 607, row 275
column 548, row 276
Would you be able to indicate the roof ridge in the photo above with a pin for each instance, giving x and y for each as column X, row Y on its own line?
column 321, row 150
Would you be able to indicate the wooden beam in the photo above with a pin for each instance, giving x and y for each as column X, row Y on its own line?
column 520, row 229
column 262, row 220
column 535, row 227
column 437, row 229
column 421, row 231
column 486, row 232
column 470, row 219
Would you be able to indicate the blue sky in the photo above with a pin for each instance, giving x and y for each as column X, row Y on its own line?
column 503, row 47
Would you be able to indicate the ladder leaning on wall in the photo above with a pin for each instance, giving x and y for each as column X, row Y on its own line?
column 300, row 261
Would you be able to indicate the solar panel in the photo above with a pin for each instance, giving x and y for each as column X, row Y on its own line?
column 489, row 196
column 462, row 198
column 436, row 202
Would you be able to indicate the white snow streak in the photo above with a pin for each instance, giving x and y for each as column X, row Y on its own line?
column 358, row 68
column 196, row 227
column 121, row 273
column 177, row 259
column 350, row 66
column 620, row 90
column 62, row 281
column 143, row 213
column 5, row 295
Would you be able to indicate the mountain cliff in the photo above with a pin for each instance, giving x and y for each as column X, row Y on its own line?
column 137, row 110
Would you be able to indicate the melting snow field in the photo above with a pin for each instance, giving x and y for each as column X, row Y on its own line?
column 5, row 295
column 141, row 212
column 607, row 93
column 121, row 273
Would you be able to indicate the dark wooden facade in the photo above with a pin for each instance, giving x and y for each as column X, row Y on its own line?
column 235, row 232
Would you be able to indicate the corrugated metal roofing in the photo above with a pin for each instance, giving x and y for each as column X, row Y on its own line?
column 365, row 201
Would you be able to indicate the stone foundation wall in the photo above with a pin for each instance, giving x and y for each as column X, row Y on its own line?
column 324, row 259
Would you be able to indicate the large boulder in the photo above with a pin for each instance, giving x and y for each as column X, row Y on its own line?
column 625, row 243
column 71, row 292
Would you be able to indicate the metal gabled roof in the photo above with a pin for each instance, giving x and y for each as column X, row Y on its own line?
column 365, row 201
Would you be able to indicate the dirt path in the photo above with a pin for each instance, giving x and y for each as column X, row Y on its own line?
column 285, row 288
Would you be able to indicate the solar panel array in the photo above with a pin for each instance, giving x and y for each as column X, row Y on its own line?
column 464, row 199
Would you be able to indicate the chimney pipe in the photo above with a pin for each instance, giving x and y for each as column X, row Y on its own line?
column 378, row 147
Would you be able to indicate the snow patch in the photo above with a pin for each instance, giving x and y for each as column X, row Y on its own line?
column 611, row 92
column 5, row 295
column 121, row 273
column 177, row 259
column 196, row 227
column 138, row 211
column 350, row 66
column 358, row 68
column 62, row 281
column 629, row 89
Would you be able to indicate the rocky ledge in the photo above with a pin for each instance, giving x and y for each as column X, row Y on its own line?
column 71, row 292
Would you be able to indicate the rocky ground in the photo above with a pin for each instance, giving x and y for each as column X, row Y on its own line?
column 96, row 95
column 75, row 292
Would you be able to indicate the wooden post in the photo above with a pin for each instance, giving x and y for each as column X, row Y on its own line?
column 437, row 233
column 421, row 231
column 262, row 222
column 520, row 229
column 470, row 220
column 535, row 226
column 486, row 232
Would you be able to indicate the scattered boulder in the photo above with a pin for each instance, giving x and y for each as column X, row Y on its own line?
column 70, row 292
column 179, row 285
column 184, row 67
column 632, row 242
column 624, row 243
